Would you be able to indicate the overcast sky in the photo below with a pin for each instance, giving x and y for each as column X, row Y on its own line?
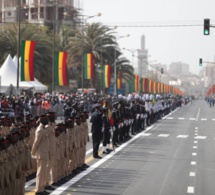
column 164, row 44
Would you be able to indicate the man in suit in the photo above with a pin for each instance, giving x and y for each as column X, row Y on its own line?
column 96, row 120
column 40, row 151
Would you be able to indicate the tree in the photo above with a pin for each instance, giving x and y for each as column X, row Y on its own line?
column 97, row 39
column 43, row 47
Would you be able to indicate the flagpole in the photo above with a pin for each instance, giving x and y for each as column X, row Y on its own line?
column 18, row 43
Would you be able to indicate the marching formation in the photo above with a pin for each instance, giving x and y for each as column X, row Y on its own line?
column 56, row 151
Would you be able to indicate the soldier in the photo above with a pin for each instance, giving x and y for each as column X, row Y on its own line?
column 67, row 110
column 74, row 111
column 4, row 144
column 52, row 149
column 40, row 151
column 57, row 158
column 96, row 120
column 143, row 113
column 122, row 120
column 148, row 110
column 106, row 130
column 85, row 136
column 115, row 117
column 70, row 127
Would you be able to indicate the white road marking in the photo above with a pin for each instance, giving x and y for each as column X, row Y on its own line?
column 196, row 131
column 192, row 174
column 169, row 118
column 182, row 136
column 194, row 147
column 190, row 189
column 200, row 137
column 193, row 154
column 195, row 142
column 196, row 127
column 180, row 118
column 203, row 119
column 193, row 163
column 163, row 135
column 145, row 134
column 192, row 119
column 213, row 119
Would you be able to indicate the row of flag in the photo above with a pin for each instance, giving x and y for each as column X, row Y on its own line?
column 143, row 85
column 27, row 64
column 27, row 67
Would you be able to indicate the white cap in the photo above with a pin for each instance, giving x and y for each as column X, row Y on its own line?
column 147, row 96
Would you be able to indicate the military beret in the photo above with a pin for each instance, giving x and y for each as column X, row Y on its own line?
column 42, row 116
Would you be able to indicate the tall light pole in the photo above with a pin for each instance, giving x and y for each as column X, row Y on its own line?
column 83, row 22
column 115, row 64
column 132, row 51
column 54, row 5
column 18, row 40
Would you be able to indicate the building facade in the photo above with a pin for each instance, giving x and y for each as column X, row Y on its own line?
column 42, row 12
column 179, row 69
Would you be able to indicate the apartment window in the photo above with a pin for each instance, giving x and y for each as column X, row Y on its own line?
column 41, row 12
column 34, row 13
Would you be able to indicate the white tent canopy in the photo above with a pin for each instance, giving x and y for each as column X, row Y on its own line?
column 37, row 85
column 8, row 77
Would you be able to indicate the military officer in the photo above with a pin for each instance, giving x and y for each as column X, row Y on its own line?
column 52, row 149
column 40, row 151
column 96, row 120
column 106, row 130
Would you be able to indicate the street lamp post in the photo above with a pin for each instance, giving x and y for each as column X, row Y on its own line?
column 132, row 51
column 83, row 22
column 54, row 5
column 18, row 41
column 115, row 64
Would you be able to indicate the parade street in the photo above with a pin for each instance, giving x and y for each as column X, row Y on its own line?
column 176, row 155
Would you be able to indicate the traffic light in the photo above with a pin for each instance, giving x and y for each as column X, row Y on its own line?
column 206, row 26
column 200, row 61
column 161, row 70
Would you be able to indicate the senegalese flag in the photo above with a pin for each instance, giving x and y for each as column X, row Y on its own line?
column 88, row 66
column 141, row 85
column 136, row 83
column 155, row 87
column 146, row 85
column 162, row 88
column 159, row 87
column 150, row 86
column 60, row 68
column 106, row 76
column 27, row 55
column 119, row 80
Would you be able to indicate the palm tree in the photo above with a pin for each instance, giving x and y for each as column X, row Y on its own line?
column 97, row 39
column 43, row 47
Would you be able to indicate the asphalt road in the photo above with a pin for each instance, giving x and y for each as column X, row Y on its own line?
column 175, row 156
